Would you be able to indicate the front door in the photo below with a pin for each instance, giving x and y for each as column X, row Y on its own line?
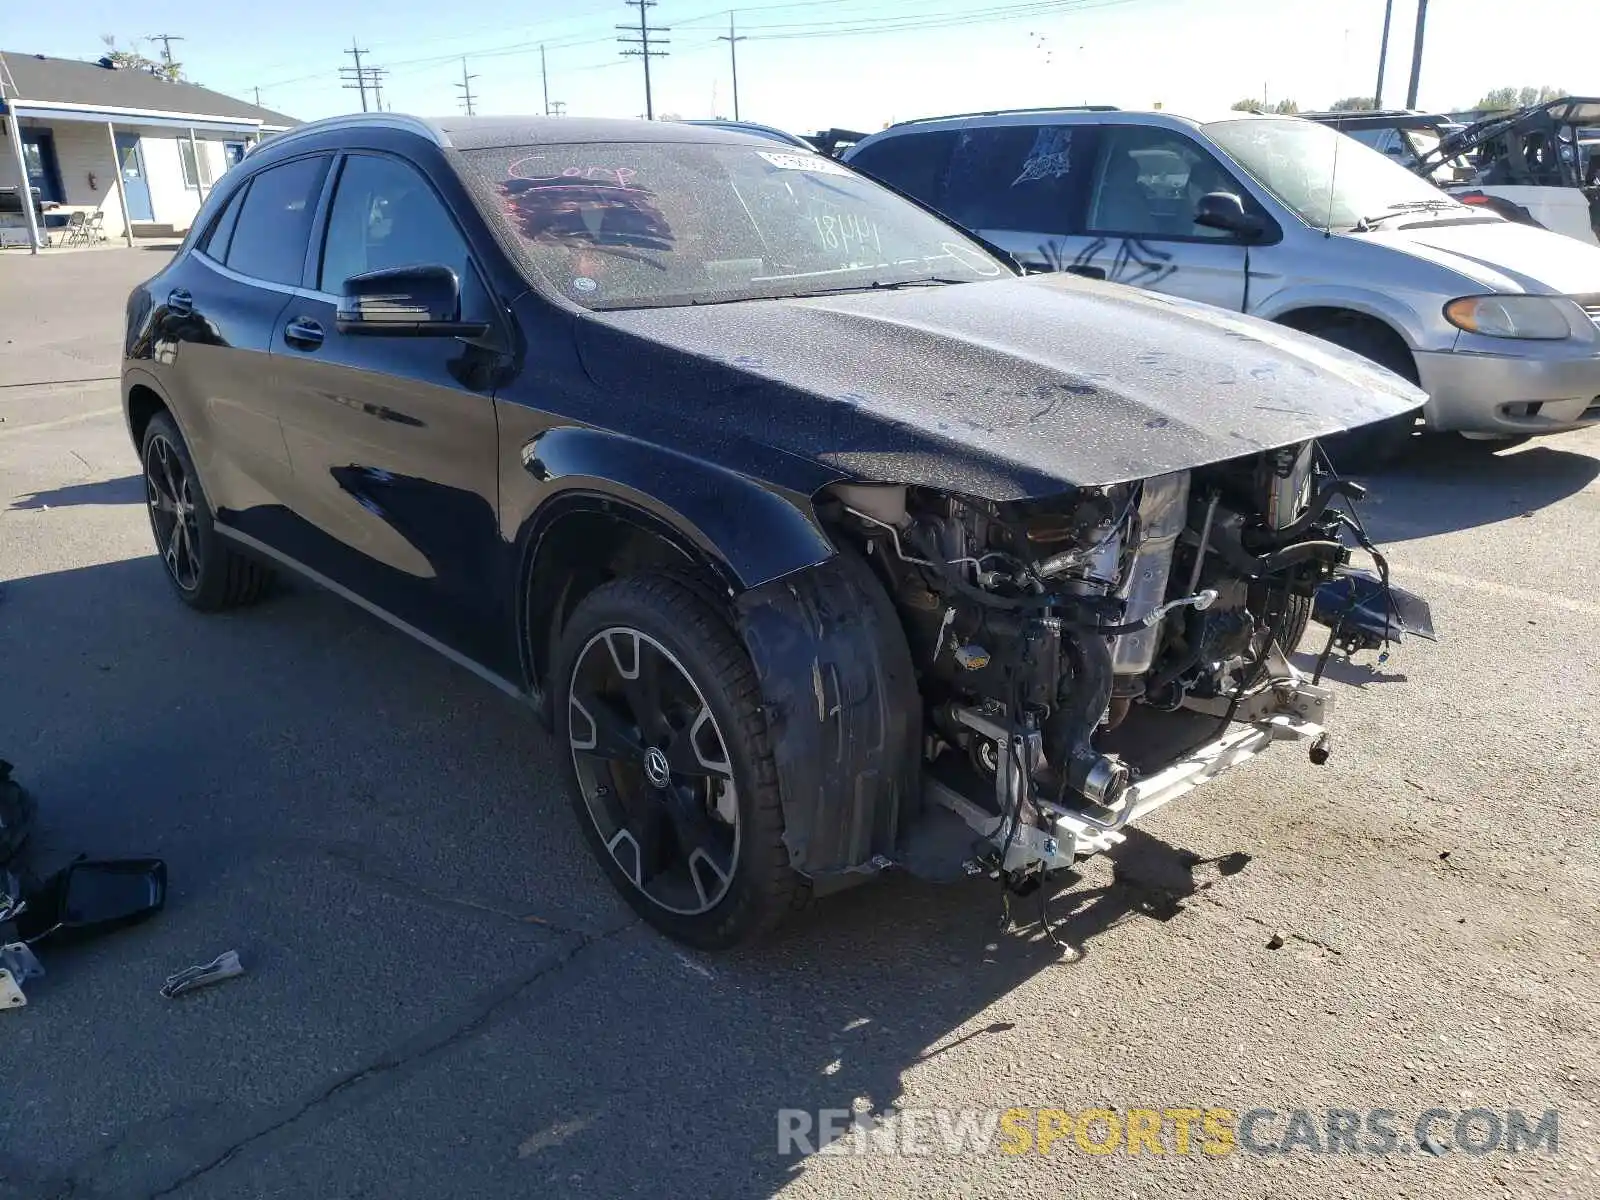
column 135, row 187
column 393, row 440
column 44, row 173
column 1139, row 227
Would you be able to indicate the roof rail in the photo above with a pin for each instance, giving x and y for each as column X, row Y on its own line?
column 1007, row 112
column 1352, row 114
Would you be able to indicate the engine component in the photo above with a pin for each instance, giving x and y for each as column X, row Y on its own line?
column 1163, row 511
column 1285, row 484
column 883, row 503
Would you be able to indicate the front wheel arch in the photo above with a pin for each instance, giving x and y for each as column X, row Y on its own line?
column 1316, row 320
column 1369, row 447
column 586, row 540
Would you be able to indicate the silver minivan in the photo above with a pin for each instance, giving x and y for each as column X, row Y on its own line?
column 1287, row 220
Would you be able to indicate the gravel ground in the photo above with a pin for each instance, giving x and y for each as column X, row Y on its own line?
column 444, row 997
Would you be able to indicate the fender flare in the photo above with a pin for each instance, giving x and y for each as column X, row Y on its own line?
column 751, row 533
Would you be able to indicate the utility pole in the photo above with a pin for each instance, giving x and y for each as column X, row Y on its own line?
column 375, row 79
column 1416, row 54
column 558, row 108
column 166, row 40
column 733, row 41
column 258, row 97
column 642, row 43
column 1383, row 53
column 358, row 73
column 544, row 74
column 466, row 88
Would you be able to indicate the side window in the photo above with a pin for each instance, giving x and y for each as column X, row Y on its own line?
column 1012, row 177
column 912, row 162
column 273, row 228
column 220, row 234
column 1149, row 181
column 385, row 214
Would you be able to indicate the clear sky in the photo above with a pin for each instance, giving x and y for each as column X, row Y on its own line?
column 812, row 64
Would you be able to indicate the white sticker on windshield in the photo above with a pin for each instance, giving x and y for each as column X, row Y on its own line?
column 804, row 162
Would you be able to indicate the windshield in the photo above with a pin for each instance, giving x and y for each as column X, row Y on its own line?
column 646, row 224
column 1296, row 161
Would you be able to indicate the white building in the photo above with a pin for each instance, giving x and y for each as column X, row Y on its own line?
column 137, row 149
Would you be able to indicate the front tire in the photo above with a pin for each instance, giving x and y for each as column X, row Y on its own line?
column 204, row 570
column 675, row 786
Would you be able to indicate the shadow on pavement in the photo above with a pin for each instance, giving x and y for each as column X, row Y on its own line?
column 1358, row 674
column 1449, row 484
column 127, row 490
column 304, row 732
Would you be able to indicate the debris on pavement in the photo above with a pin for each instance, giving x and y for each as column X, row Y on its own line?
column 10, row 994
column 225, row 966
column 17, row 965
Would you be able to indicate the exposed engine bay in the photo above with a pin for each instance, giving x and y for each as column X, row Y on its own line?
column 1083, row 659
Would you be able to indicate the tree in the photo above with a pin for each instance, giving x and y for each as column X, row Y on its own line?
column 1353, row 104
column 1286, row 108
column 1505, row 98
column 132, row 60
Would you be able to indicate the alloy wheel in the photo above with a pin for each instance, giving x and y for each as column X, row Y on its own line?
column 654, row 769
column 172, row 512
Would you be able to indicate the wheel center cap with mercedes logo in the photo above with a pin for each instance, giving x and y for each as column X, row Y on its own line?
column 656, row 769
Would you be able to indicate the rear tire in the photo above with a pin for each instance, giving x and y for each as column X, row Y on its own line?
column 1375, row 446
column 206, row 572
column 698, row 853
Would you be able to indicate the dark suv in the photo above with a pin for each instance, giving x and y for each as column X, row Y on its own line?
column 824, row 541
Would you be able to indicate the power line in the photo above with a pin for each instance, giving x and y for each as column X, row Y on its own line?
column 845, row 27
column 466, row 88
column 733, row 40
column 641, row 47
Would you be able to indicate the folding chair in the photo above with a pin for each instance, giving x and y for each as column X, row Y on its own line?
column 76, row 230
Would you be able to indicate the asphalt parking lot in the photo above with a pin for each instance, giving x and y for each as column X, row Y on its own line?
column 444, row 997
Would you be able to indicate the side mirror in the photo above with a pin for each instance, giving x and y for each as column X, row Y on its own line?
column 1225, row 210
column 88, row 897
column 420, row 301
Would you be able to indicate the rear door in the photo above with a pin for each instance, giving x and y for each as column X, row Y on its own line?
column 1142, row 193
column 219, row 313
column 393, row 438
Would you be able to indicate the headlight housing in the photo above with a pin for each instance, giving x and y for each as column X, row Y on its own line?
column 1539, row 317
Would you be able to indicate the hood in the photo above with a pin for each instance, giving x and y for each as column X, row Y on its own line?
column 1003, row 390
column 1502, row 256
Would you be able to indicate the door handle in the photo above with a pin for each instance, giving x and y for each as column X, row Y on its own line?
column 303, row 333
column 180, row 303
column 1088, row 272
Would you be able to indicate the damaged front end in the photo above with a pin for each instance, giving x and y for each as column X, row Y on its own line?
column 1000, row 687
